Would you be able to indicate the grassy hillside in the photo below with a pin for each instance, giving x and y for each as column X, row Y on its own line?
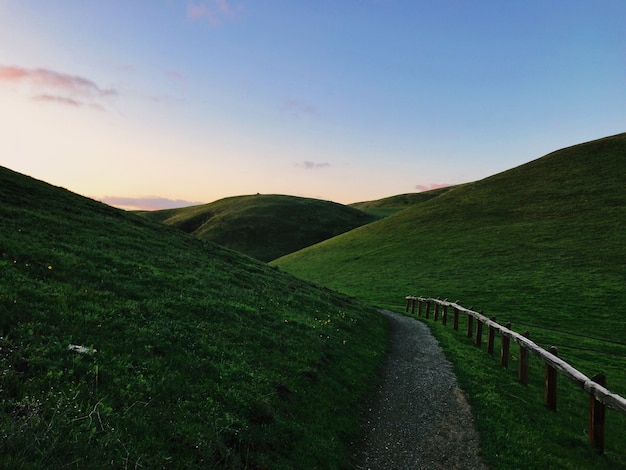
column 264, row 226
column 390, row 205
column 543, row 246
column 129, row 344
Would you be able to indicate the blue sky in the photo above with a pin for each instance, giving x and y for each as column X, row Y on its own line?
column 168, row 102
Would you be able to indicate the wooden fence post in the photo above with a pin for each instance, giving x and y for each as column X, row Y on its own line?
column 455, row 323
column 596, row 417
column 522, row 375
column 419, row 307
column 436, row 311
column 490, row 337
column 427, row 308
column 479, row 333
column 444, row 315
column 504, row 351
column 470, row 325
column 408, row 301
column 550, row 383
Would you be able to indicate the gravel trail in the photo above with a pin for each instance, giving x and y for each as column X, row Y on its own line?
column 419, row 418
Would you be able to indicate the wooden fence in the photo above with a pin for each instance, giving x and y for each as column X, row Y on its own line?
column 599, row 396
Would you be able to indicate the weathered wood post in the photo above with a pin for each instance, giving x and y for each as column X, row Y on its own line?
column 444, row 315
column 550, row 382
column 427, row 308
column 419, row 307
column 522, row 375
column 490, row 337
column 455, row 323
column 596, row 417
column 470, row 325
column 479, row 333
column 436, row 310
column 408, row 301
column 504, row 351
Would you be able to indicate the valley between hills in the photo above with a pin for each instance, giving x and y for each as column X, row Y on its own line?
column 244, row 333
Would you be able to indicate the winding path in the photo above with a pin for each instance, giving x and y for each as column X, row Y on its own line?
column 419, row 418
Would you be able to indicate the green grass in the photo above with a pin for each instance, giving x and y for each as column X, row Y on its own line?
column 541, row 246
column 393, row 204
column 264, row 226
column 204, row 357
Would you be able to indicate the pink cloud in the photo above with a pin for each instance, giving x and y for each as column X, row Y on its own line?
column 147, row 203
column 42, row 78
column 211, row 10
column 56, row 87
column 421, row 187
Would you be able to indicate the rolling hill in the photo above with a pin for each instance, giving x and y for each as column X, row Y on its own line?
column 390, row 205
column 129, row 344
column 264, row 226
column 542, row 245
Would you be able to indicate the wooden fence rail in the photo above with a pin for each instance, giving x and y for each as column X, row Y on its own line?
column 599, row 395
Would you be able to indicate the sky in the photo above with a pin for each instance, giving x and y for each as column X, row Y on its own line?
column 165, row 103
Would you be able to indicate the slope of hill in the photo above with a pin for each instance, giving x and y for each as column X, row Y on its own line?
column 541, row 245
column 390, row 205
column 129, row 344
column 264, row 226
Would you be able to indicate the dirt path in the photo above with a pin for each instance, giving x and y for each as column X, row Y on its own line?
column 420, row 418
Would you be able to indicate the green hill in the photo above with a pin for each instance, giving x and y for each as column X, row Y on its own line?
column 542, row 245
column 128, row 344
column 390, row 205
column 264, row 226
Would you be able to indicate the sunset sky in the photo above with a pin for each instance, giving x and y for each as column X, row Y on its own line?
column 163, row 103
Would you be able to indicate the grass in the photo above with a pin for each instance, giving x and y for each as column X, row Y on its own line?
column 541, row 246
column 194, row 355
column 393, row 204
column 264, row 226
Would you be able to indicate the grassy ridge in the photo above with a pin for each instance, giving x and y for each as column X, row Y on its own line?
column 541, row 245
column 193, row 355
column 264, row 226
column 390, row 205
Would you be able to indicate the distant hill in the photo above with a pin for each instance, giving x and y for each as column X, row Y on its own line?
column 390, row 205
column 542, row 245
column 128, row 344
column 264, row 226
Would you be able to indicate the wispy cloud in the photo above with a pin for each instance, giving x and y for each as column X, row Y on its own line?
column 56, row 87
column 49, row 78
column 174, row 75
column 213, row 11
column 297, row 108
column 421, row 187
column 57, row 99
column 309, row 165
column 146, row 203
column 66, row 101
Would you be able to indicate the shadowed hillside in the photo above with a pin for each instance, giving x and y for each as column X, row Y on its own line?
column 264, row 226
column 542, row 245
column 126, row 343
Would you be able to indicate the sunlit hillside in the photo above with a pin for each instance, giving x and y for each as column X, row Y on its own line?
column 542, row 245
column 391, row 205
